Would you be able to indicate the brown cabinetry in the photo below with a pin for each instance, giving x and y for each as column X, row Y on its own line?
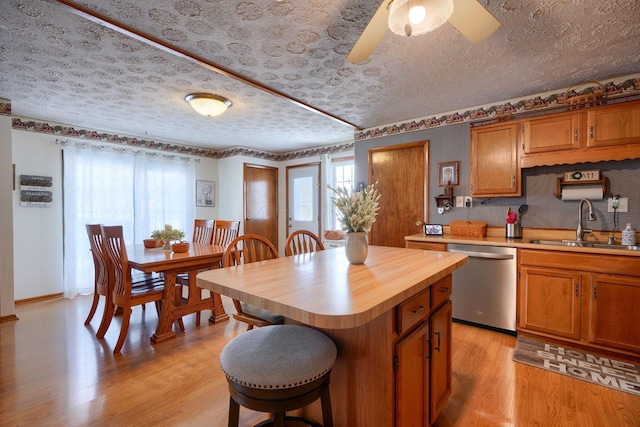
column 427, row 246
column 578, row 298
column 557, row 132
column 494, row 166
column 617, row 124
column 603, row 133
column 613, row 314
column 422, row 359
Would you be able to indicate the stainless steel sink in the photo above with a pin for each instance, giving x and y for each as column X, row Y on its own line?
column 584, row 244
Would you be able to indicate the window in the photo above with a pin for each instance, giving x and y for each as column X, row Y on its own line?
column 115, row 186
column 343, row 175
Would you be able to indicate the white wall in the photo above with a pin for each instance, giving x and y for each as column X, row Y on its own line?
column 37, row 232
column 7, row 309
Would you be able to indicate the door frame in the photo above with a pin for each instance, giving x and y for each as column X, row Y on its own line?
column 319, row 201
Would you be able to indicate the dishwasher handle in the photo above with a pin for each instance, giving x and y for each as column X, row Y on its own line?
column 475, row 254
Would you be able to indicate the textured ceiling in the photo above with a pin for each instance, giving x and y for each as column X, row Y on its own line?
column 61, row 67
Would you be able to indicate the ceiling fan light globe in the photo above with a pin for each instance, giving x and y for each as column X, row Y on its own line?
column 436, row 13
column 417, row 14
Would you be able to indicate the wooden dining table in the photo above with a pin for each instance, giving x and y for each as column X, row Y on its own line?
column 200, row 257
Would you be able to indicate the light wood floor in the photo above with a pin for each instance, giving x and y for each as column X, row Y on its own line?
column 54, row 372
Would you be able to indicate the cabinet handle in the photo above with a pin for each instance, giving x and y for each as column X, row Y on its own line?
column 595, row 292
column 576, row 289
column 575, row 134
column 437, row 348
column 591, row 132
column 418, row 310
column 513, row 181
column 444, row 290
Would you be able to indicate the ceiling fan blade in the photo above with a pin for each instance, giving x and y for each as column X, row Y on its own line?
column 473, row 20
column 371, row 36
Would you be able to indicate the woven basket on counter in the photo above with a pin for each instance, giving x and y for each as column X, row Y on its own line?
column 585, row 100
column 468, row 228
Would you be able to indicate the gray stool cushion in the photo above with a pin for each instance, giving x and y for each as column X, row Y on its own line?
column 278, row 357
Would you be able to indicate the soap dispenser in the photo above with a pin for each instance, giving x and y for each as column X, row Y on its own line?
column 628, row 236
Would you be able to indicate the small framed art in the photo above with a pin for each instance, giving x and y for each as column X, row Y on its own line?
column 205, row 193
column 433, row 229
column 447, row 174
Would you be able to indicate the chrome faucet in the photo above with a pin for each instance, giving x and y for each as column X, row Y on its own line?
column 580, row 230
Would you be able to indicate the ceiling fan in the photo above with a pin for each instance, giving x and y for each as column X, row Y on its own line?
column 413, row 17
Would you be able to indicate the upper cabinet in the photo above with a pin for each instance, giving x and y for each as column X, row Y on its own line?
column 617, row 124
column 557, row 132
column 604, row 133
column 494, row 167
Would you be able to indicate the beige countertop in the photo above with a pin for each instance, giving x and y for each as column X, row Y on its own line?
column 495, row 237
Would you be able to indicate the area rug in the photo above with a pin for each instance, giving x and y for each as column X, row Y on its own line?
column 587, row 366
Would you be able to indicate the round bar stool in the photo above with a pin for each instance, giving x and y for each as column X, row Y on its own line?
column 276, row 369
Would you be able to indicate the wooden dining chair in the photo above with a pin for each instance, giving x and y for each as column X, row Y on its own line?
column 222, row 234
column 246, row 249
column 124, row 294
column 302, row 242
column 203, row 230
column 104, row 277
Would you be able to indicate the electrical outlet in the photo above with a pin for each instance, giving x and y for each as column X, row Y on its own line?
column 459, row 201
column 468, row 201
column 623, row 204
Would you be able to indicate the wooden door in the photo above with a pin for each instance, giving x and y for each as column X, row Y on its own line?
column 261, row 201
column 402, row 175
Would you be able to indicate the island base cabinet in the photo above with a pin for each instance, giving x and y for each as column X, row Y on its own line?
column 440, row 367
column 615, row 300
column 412, row 378
column 423, row 370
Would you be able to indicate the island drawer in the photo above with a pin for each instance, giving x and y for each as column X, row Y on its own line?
column 441, row 291
column 411, row 311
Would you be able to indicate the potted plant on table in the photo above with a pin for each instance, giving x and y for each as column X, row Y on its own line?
column 167, row 236
column 357, row 211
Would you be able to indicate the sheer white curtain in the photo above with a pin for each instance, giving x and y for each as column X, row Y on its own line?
column 103, row 185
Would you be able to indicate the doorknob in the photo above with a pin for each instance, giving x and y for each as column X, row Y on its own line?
column 418, row 223
column 248, row 218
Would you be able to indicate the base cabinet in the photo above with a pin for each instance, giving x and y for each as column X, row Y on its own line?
column 575, row 297
column 422, row 360
column 613, row 315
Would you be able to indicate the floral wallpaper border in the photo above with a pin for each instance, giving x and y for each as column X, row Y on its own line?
column 508, row 110
column 93, row 135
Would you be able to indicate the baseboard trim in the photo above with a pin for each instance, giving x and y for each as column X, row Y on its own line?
column 40, row 298
column 10, row 318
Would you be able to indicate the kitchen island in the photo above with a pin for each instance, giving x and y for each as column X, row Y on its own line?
column 379, row 314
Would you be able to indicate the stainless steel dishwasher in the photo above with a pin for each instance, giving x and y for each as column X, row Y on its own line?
column 484, row 289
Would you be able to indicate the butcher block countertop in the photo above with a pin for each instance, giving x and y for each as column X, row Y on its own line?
column 323, row 290
column 496, row 237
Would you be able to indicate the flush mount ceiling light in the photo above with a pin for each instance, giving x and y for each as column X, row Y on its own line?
column 413, row 17
column 207, row 104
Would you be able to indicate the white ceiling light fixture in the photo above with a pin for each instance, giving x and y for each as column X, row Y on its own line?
column 414, row 17
column 208, row 104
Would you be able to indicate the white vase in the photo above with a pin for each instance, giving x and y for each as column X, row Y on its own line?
column 357, row 247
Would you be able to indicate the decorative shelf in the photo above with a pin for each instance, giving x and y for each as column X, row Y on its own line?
column 563, row 183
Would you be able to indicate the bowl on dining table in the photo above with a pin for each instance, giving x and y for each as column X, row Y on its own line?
column 180, row 247
column 152, row 243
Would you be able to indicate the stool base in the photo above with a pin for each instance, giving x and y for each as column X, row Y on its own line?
column 290, row 421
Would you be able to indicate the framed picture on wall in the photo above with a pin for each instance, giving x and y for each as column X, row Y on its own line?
column 205, row 193
column 447, row 174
